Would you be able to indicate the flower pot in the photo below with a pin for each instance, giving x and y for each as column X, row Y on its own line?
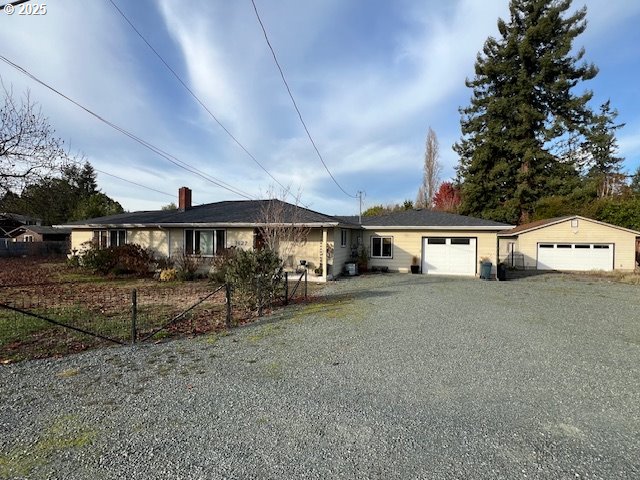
column 415, row 268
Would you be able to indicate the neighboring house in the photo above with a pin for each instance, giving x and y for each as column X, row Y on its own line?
column 37, row 233
column 11, row 221
column 207, row 229
column 444, row 243
column 569, row 243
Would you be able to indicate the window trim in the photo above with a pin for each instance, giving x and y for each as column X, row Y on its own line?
column 214, row 231
column 97, row 235
column 382, row 239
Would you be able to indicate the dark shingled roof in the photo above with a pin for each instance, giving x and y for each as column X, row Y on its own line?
column 536, row 224
column 429, row 218
column 230, row 212
column 43, row 230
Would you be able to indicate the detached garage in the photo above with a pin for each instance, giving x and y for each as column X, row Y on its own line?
column 572, row 243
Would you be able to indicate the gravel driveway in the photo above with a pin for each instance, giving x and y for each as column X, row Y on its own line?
column 390, row 376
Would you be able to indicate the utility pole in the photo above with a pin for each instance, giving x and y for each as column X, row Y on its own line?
column 360, row 198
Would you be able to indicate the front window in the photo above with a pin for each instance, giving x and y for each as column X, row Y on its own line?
column 381, row 247
column 343, row 237
column 110, row 238
column 28, row 238
column 204, row 242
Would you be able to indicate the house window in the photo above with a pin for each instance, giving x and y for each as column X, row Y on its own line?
column 381, row 247
column 204, row 242
column 110, row 238
column 27, row 238
column 343, row 237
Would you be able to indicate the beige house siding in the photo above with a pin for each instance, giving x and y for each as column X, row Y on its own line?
column 35, row 237
column 240, row 238
column 341, row 254
column 311, row 251
column 80, row 237
column 152, row 238
column 586, row 232
column 408, row 243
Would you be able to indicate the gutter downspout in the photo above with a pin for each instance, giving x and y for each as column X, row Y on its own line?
column 324, row 254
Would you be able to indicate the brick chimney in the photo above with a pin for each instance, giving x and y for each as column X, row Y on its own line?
column 184, row 198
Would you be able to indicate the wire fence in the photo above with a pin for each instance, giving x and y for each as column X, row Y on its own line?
column 45, row 319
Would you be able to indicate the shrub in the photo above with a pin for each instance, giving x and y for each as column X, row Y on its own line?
column 168, row 275
column 125, row 259
column 256, row 275
column 186, row 266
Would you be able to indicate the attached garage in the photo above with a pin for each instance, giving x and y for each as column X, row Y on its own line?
column 571, row 243
column 440, row 243
column 575, row 256
column 449, row 256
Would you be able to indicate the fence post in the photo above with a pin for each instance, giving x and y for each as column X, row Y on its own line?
column 305, row 283
column 286, row 288
column 228, row 295
column 134, row 314
column 259, row 296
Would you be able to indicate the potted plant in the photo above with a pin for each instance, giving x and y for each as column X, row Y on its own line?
column 415, row 266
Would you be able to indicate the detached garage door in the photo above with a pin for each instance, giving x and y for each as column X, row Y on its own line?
column 449, row 256
column 575, row 256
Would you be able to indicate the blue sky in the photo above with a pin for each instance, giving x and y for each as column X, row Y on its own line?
column 370, row 77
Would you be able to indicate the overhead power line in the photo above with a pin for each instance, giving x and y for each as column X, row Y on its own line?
column 295, row 105
column 171, row 158
column 13, row 4
column 125, row 180
column 197, row 99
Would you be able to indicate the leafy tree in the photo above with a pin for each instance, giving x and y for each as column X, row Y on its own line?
column 95, row 205
column 447, row 198
column 74, row 196
column 29, row 148
column 168, row 207
column 431, row 171
column 522, row 106
column 385, row 210
column 373, row 211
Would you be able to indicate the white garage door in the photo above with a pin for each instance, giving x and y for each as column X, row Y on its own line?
column 449, row 256
column 575, row 256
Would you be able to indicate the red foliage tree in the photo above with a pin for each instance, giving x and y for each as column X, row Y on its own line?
column 447, row 198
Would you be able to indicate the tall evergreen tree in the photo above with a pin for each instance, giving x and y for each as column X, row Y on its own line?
column 522, row 105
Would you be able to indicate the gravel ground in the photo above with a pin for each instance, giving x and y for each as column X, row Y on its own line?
column 390, row 376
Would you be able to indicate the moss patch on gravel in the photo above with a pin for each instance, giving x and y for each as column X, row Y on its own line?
column 333, row 308
column 64, row 434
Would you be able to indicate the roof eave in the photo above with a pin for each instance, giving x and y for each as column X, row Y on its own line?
column 493, row 228
column 192, row 225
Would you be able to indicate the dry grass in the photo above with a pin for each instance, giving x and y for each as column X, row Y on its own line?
column 630, row 278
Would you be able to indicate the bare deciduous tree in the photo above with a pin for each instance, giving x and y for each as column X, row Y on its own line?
column 431, row 172
column 281, row 225
column 29, row 149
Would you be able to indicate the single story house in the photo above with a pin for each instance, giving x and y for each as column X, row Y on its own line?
column 38, row 233
column 11, row 221
column 571, row 243
column 207, row 229
column 440, row 243
column 444, row 243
